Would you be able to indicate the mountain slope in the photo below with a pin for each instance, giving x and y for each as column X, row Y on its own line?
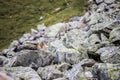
column 19, row 16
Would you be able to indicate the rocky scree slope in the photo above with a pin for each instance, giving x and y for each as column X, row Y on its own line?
column 85, row 48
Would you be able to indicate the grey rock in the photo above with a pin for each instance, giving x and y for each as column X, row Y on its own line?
column 26, row 46
column 77, row 41
column 103, row 37
column 109, row 1
column 114, row 35
column 64, row 54
column 15, row 43
column 88, row 74
column 71, row 56
column 33, row 31
column 75, row 18
column 102, row 7
column 76, row 73
column 29, row 57
column 25, row 37
column 3, row 61
column 105, row 27
column 99, row 1
column 10, row 54
column 93, row 43
column 64, row 67
column 109, row 54
column 18, row 73
column 54, row 45
column 49, row 72
column 54, row 31
column 41, row 27
column 81, row 71
column 106, row 71
column 87, row 63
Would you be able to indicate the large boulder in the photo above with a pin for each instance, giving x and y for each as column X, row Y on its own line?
column 106, row 71
column 32, row 58
column 104, row 27
column 64, row 54
column 81, row 71
column 93, row 42
column 49, row 72
column 55, row 29
column 71, row 56
column 76, row 73
column 78, row 41
column 98, row 1
column 109, row 1
column 21, row 73
column 114, row 35
column 3, row 61
column 109, row 54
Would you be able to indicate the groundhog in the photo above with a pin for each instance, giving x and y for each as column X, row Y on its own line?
column 42, row 45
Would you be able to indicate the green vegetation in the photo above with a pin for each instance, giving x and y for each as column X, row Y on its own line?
column 19, row 16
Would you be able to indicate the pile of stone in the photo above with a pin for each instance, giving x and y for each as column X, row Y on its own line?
column 85, row 48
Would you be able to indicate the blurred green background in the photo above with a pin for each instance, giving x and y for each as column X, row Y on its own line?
column 19, row 16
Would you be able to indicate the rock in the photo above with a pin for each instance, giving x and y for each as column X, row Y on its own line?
column 70, row 56
column 49, row 72
column 109, row 54
column 33, row 31
column 94, row 39
column 29, row 57
column 18, row 73
column 88, row 74
column 54, row 45
column 106, row 71
column 24, row 38
column 87, row 63
column 76, row 73
column 3, row 61
column 93, row 7
column 106, row 28
column 64, row 54
column 54, row 31
column 98, row 18
column 81, row 71
column 64, row 67
column 109, row 1
column 72, row 25
column 41, row 27
column 103, row 37
column 15, row 43
column 5, row 51
column 99, row 1
column 26, row 46
column 114, row 35
column 77, row 18
column 102, row 7
column 93, row 43
column 77, row 41
column 10, row 54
